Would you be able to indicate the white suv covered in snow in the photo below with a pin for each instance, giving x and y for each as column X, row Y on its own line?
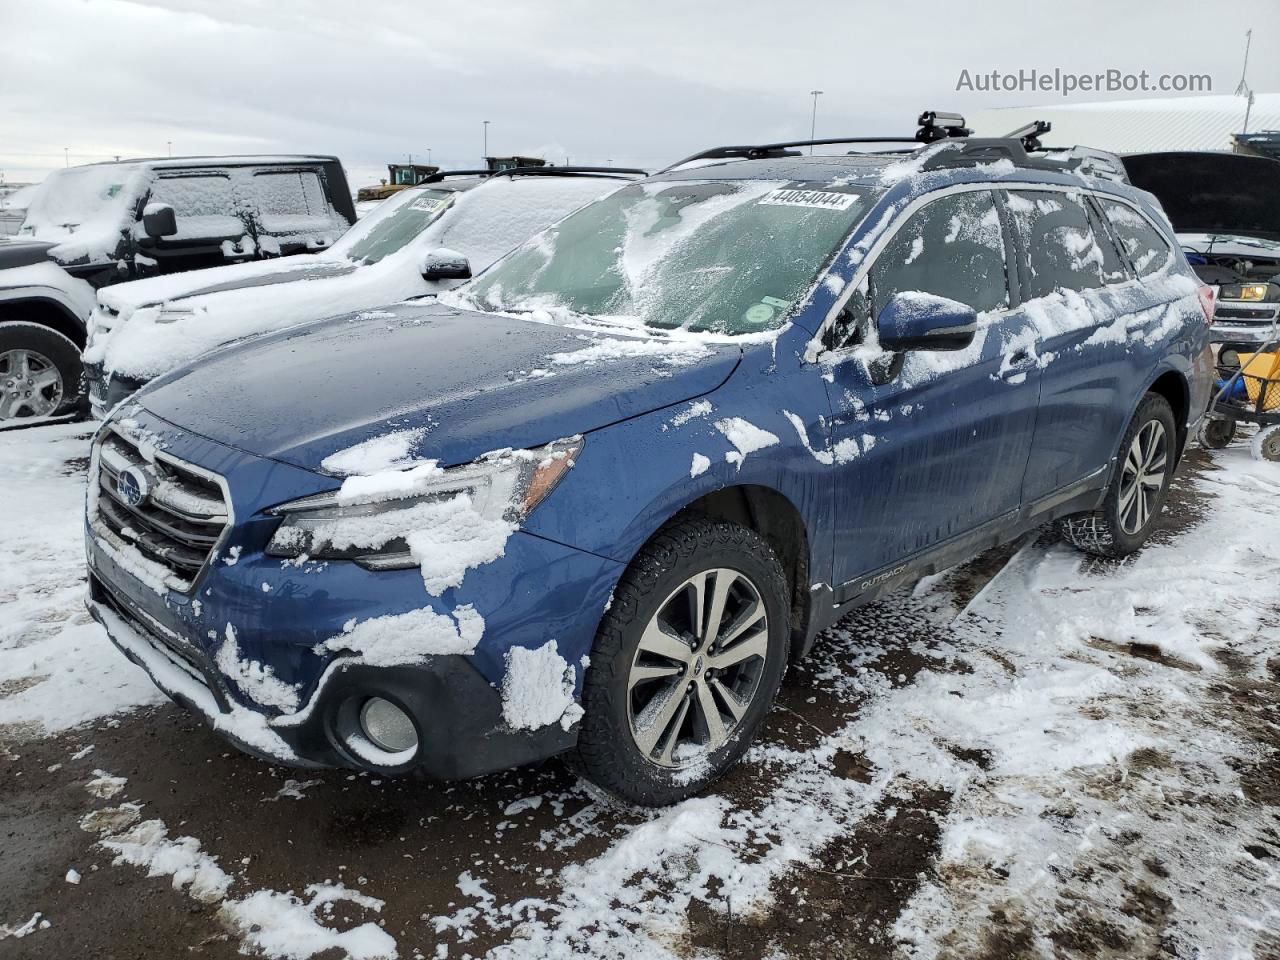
column 417, row 243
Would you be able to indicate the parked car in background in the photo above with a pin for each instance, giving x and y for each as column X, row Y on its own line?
column 597, row 500
column 1225, row 208
column 92, row 226
column 14, row 198
column 423, row 240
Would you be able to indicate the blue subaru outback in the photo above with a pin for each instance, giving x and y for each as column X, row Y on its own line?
column 598, row 500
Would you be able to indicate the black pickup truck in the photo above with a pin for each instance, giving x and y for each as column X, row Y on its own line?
column 104, row 223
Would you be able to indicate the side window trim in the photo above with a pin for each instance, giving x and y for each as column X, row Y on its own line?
column 1015, row 269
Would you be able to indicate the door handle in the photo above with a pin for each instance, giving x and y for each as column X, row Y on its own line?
column 1018, row 364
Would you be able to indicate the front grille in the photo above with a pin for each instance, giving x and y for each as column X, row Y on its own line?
column 177, row 525
column 1245, row 315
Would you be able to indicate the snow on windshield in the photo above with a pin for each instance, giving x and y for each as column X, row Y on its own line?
column 691, row 254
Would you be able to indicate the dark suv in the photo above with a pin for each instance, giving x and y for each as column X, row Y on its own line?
column 599, row 498
column 90, row 226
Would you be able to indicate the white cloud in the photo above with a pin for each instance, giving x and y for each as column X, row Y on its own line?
column 639, row 84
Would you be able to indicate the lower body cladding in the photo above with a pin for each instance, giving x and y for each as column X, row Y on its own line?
column 443, row 715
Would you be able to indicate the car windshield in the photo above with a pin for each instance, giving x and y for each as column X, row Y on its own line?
column 80, row 197
column 719, row 256
column 393, row 225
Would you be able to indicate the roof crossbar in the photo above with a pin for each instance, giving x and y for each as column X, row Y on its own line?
column 933, row 125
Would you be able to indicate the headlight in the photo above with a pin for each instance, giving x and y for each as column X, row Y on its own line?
column 374, row 520
column 1255, row 292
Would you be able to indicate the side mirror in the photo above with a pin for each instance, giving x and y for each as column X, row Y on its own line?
column 445, row 265
column 921, row 321
column 158, row 220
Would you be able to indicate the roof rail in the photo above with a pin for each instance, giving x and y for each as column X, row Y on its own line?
column 1077, row 159
column 547, row 171
column 933, row 125
column 550, row 171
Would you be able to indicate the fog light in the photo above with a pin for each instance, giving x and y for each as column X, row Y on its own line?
column 387, row 726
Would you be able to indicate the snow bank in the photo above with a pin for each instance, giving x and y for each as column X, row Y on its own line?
column 282, row 925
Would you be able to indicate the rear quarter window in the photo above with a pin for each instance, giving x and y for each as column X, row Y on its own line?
column 1144, row 245
column 1063, row 252
column 291, row 200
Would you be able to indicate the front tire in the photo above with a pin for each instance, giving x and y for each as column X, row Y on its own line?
column 686, row 664
column 1138, row 487
column 39, row 372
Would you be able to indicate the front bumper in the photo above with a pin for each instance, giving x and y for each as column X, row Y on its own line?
column 458, row 714
column 105, row 391
column 282, row 612
column 1245, row 323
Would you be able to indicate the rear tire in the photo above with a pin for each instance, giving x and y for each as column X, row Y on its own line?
column 1266, row 444
column 39, row 372
column 1138, row 487
column 686, row 663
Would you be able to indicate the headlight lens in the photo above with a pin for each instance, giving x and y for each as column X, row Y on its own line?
column 369, row 519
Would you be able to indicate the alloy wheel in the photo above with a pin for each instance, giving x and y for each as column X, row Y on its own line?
column 1142, row 476
column 30, row 385
column 697, row 668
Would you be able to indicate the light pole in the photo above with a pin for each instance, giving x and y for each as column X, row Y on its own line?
column 66, row 156
column 170, row 143
column 485, row 158
column 813, row 120
column 428, row 156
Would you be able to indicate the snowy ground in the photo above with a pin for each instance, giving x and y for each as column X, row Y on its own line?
column 1034, row 755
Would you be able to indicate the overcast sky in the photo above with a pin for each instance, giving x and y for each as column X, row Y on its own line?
column 590, row 80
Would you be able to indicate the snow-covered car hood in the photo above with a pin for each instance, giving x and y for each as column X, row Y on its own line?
column 477, row 382
column 172, row 289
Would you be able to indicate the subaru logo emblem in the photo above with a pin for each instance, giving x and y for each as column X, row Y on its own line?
column 133, row 485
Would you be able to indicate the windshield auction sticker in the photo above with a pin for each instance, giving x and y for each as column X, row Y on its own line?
column 823, row 199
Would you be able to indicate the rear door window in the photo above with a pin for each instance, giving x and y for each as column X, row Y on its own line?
column 954, row 248
column 1063, row 252
column 1144, row 245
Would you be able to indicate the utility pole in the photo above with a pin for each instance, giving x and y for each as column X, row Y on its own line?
column 813, row 120
column 428, row 155
column 1242, row 88
column 485, row 158
column 66, row 156
column 170, row 143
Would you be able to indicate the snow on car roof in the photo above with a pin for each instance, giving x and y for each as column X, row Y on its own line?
column 233, row 160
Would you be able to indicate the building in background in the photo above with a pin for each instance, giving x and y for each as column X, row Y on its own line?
column 1143, row 126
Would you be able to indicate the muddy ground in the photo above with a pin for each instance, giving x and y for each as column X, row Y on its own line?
column 409, row 841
